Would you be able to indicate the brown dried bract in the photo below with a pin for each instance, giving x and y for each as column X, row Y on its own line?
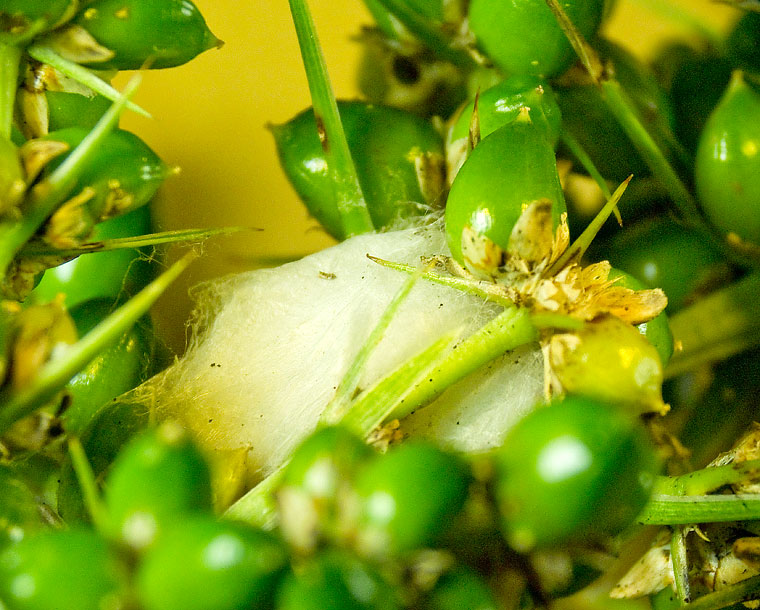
column 524, row 273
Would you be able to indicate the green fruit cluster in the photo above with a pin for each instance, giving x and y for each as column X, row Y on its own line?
column 352, row 520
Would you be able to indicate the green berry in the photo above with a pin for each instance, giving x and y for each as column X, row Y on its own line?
column 66, row 570
column 662, row 253
column 398, row 158
column 157, row 477
column 315, row 485
column 507, row 171
column 574, row 470
column 523, row 36
column 201, row 563
column 114, row 371
column 152, row 33
column 728, row 162
column 407, row 498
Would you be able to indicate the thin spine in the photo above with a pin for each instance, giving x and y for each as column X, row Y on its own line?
column 86, row 478
column 479, row 288
column 10, row 59
column 337, row 408
column 81, row 75
column 351, row 204
column 56, row 373
column 130, row 243
column 48, row 194
column 745, row 590
column 576, row 250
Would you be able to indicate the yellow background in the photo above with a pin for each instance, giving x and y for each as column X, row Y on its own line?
column 210, row 119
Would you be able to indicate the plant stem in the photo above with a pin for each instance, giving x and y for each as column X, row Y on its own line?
column 507, row 331
column 338, row 406
column 622, row 108
column 682, row 510
column 10, row 59
column 583, row 50
column 81, row 75
column 350, row 201
column 39, row 248
column 89, row 487
column 588, row 164
column 680, row 564
column 708, row 479
column 57, row 372
column 49, row 193
column 746, row 590
column 378, row 403
column 258, row 507
column 718, row 326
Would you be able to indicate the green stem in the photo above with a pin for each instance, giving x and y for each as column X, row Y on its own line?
column 680, row 564
column 39, row 248
column 623, row 109
column 49, row 193
column 57, row 372
column 259, row 506
column 81, row 75
column 588, row 164
column 507, row 331
column 683, row 510
column 10, row 59
column 89, row 487
column 428, row 33
column 338, row 406
column 350, row 201
column 583, row 50
column 718, row 326
column 380, row 402
column 708, row 479
column 576, row 250
column 746, row 590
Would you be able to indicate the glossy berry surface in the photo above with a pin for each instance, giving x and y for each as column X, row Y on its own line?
column 728, row 162
column 407, row 497
column 523, row 37
column 202, row 563
column 65, row 570
column 574, row 470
